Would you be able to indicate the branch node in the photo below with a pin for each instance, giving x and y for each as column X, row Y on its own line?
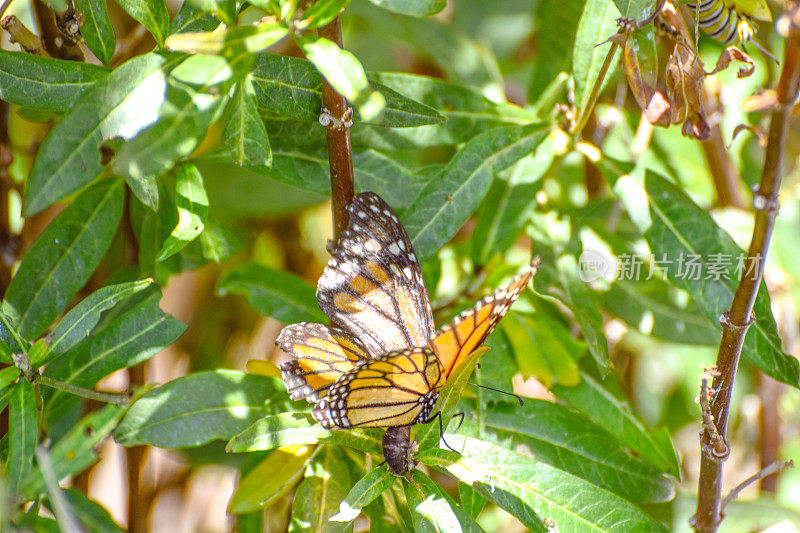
column 725, row 320
column 764, row 203
column 327, row 120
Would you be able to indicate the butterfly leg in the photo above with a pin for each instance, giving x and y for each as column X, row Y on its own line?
column 441, row 426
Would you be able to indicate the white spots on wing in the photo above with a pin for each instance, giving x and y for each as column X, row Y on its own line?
column 374, row 208
column 395, row 270
column 362, row 214
column 394, row 248
column 402, row 245
column 373, row 245
column 357, row 227
column 407, row 272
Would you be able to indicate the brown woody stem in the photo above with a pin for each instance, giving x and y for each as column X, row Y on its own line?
column 736, row 322
column 340, row 154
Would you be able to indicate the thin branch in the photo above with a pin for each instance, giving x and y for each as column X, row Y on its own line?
column 105, row 397
column 774, row 468
column 337, row 115
column 736, row 322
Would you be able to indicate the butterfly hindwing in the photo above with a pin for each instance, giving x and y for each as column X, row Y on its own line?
column 467, row 331
column 397, row 388
column 321, row 355
column 372, row 286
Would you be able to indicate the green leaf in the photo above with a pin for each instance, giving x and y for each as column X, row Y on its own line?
column 232, row 42
column 196, row 409
column 657, row 308
column 290, row 429
column 76, row 325
column 636, row 9
column 270, row 479
column 139, row 333
column 96, row 28
column 243, row 130
column 119, row 105
column 272, row 292
column 472, row 502
column 415, row 8
column 192, row 203
column 322, row 12
column 44, row 83
column 368, row 488
column 152, row 14
column 683, row 232
column 598, row 23
column 432, row 509
column 555, row 47
column 615, row 416
column 23, row 434
column 292, row 87
column 65, row 517
column 345, row 74
column 77, row 450
column 564, row 439
column 203, row 69
column 543, row 348
column 446, row 203
column 183, row 120
column 532, row 491
column 63, row 257
column 8, row 375
column 91, row 514
column 326, row 483
column 191, row 19
column 10, row 341
column 584, row 306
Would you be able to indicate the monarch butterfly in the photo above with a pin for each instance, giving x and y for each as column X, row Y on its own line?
column 731, row 21
column 382, row 363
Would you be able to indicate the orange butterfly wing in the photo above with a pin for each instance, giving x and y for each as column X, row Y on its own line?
column 467, row 331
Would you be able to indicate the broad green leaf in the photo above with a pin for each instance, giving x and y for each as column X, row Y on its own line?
column 322, row 12
column 76, row 450
column 23, row 434
column 61, row 260
column 598, row 22
column 345, row 74
column 65, row 516
column 472, row 502
column 243, row 130
column 446, row 203
column 45, row 83
column 76, row 325
column 196, row 409
column 10, row 340
column 543, row 348
column 636, row 9
column 368, row 488
column 685, row 235
column 584, row 306
column 231, row 42
column 203, row 69
column 290, row 429
column 152, row 14
column 615, row 416
column 428, row 435
column 656, row 308
column 272, row 292
column 415, row 8
column 326, row 483
column 120, row 105
column 139, row 333
column 562, row 438
column 432, row 509
column 8, row 375
column 533, row 491
column 192, row 203
column 292, row 87
column 556, row 43
column 91, row 514
column 183, row 120
column 96, row 28
column 217, row 241
column 192, row 19
column 270, row 479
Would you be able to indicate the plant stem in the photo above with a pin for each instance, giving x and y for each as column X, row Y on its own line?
column 340, row 155
column 707, row 518
column 106, row 397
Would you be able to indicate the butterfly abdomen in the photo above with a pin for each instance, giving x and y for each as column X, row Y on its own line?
column 723, row 23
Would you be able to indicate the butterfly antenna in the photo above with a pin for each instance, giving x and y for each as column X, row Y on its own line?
column 517, row 396
column 441, row 426
column 764, row 51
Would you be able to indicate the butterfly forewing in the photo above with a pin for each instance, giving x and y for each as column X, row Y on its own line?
column 467, row 331
column 372, row 286
column 321, row 355
column 394, row 389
